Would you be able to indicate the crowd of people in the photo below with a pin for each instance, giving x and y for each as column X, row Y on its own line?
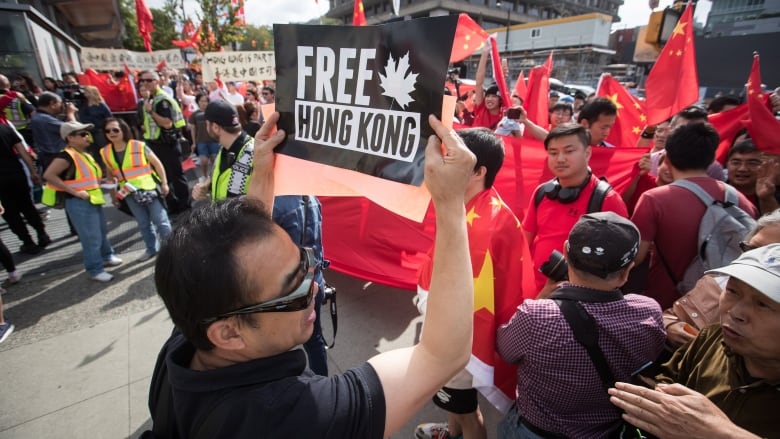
column 622, row 324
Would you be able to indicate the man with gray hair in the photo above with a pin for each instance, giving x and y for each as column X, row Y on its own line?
column 727, row 380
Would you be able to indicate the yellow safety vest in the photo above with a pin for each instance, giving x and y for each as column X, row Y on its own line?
column 15, row 114
column 234, row 180
column 152, row 131
column 87, row 178
column 135, row 166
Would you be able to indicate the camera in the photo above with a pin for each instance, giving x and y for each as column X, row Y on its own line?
column 514, row 113
column 74, row 93
column 555, row 267
column 454, row 71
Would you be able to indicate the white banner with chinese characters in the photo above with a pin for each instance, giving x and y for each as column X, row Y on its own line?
column 115, row 59
column 239, row 66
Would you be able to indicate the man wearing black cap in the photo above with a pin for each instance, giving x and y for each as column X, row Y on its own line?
column 560, row 391
column 233, row 166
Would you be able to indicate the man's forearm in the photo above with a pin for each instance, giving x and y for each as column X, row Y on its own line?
column 448, row 321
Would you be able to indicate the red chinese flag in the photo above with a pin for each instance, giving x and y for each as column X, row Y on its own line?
column 631, row 117
column 145, row 26
column 521, row 89
column 549, row 63
column 537, row 103
column 728, row 123
column 763, row 126
column 469, row 37
column 673, row 83
column 358, row 15
column 161, row 65
column 498, row 72
column 502, row 281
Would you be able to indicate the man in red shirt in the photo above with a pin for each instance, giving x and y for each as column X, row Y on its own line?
column 598, row 116
column 566, row 197
column 668, row 217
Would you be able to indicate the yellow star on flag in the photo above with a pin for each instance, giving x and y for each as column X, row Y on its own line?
column 471, row 215
column 614, row 99
column 636, row 130
column 643, row 118
column 679, row 53
column 483, row 286
column 637, row 106
column 496, row 202
column 679, row 29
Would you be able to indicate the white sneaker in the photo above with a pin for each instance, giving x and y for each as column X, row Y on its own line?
column 432, row 430
column 102, row 277
column 112, row 261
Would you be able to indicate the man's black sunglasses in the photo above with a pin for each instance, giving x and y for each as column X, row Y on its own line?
column 298, row 299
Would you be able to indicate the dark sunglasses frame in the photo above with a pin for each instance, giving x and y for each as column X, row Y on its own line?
column 298, row 299
column 146, row 80
column 112, row 130
column 80, row 134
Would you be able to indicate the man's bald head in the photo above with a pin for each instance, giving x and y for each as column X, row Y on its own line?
column 4, row 84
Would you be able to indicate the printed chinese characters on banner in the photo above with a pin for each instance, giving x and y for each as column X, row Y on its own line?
column 239, row 66
column 115, row 59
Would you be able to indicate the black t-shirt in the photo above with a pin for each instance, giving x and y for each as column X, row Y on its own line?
column 9, row 161
column 275, row 397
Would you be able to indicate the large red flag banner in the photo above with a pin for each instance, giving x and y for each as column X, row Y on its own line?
column 469, row 37
column 119, row 94
column 763, row 127
column 145, row 26
column 673, row 83
column 631, row 118
column 362, row 239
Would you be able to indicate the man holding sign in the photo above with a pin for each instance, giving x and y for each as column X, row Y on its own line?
column 230, row 370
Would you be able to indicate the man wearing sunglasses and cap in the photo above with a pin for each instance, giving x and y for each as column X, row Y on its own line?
column 728, row 378
column 240, row 294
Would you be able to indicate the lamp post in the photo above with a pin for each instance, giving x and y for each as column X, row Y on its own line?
column 508, row 13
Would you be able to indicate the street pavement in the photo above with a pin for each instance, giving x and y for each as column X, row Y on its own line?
column 80, row 359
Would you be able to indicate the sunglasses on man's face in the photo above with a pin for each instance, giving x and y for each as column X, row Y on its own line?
column 81, row 134
column 298, row 299
column 146, row 79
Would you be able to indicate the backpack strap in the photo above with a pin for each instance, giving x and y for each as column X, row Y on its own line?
column 697, row 190
column 539, row 195
column 599, row 194
column 731, row 198
column 586, row 333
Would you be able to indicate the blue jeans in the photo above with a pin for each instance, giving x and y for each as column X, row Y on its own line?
column 146, row 215
column 90, row 224
column 510, row 427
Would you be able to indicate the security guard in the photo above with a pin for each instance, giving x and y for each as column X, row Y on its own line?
column 162, row 117
column 233, row 167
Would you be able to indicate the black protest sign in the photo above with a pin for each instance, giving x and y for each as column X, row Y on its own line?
column 359, row 97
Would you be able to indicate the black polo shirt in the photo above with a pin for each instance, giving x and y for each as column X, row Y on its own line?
column 275, row 397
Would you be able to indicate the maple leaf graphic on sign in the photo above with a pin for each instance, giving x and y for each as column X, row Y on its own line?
column 398, row 81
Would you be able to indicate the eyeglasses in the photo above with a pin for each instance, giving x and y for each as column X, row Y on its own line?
column 746, row 247
column 750, row 163
column 112, row 130
column 265, row 93
column 296, row 300
column 80, row 133
column 146, row 79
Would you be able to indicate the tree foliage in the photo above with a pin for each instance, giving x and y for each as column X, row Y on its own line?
column 219, row 27
column 164, row 21
column 257, row 38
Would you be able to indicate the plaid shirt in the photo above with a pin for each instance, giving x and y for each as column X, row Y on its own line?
column 559, row 389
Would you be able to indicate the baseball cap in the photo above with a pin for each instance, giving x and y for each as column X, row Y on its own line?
column 602, row 243
column 492, row 90
column 759, row 268
column 222, row 113
column 567, row 99
column 68, row 128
